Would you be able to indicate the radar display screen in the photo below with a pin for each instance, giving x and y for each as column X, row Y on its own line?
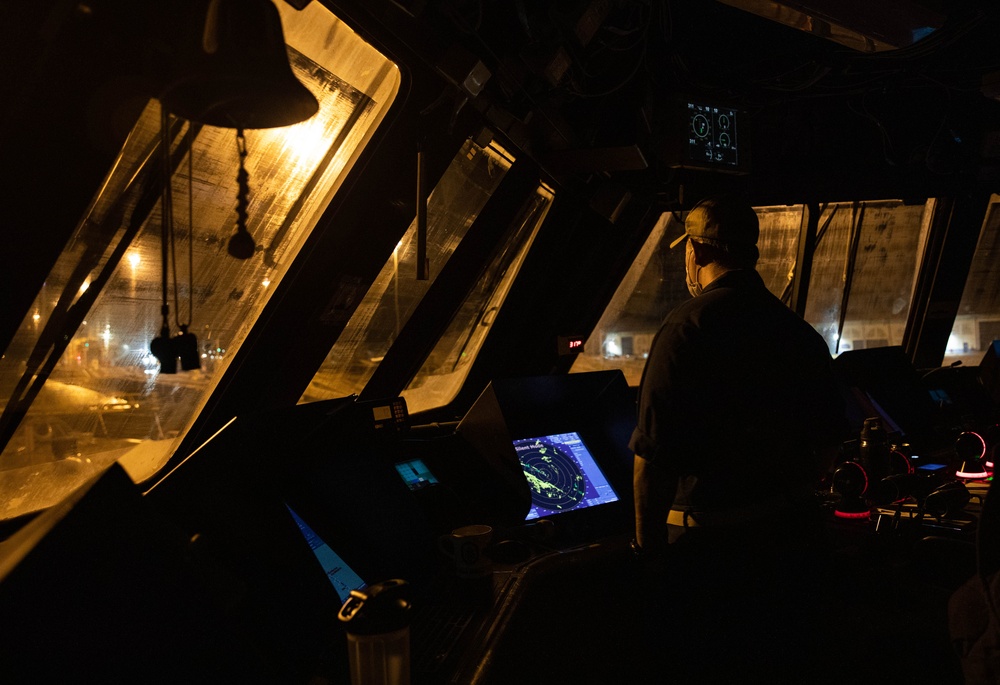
column 711, row 136
column 562, row 474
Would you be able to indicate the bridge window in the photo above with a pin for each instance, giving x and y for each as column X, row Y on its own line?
column 863, row 273
column 655, row 284
column 443, row 372
column 977, row 322
column 468, row 182
column 80, row 386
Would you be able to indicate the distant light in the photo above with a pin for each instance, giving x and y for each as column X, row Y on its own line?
column 266, row 282
column 36, row 316
column 612, row 347
column 126, row 348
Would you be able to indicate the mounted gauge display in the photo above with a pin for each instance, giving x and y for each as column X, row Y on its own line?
column 708, row 136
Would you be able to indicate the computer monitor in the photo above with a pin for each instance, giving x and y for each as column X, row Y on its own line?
column 882, row 382
column 562, row 474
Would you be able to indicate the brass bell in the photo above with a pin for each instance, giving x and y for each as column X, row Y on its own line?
column 234, row 71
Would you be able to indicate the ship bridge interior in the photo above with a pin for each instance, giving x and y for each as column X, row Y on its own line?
column 294, row 290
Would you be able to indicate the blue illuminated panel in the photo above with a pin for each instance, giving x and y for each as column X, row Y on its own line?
column 415, row 474
column 342, row 577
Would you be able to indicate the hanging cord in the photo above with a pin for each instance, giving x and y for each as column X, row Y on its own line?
column 183, row 326
column 184, row 345
column 166, row 221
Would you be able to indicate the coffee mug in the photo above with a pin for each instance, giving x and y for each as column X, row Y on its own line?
column 467, row 546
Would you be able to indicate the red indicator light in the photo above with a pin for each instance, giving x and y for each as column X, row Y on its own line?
column 851, row 514
column 570, row 344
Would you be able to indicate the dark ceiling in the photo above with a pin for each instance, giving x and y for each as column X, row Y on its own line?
column 589, row 87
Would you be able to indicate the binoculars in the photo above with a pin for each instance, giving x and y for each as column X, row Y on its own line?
column 183, row 346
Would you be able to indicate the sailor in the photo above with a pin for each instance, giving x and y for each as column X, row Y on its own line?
column 739, row 418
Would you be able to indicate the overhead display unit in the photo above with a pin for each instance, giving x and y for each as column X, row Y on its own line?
column 708, row 136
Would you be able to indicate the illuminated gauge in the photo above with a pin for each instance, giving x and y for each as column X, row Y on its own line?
column 970, row 445
column 971, row 448
column 850, row 479
column 700, row 125
column 724, row 140
column 723, row 121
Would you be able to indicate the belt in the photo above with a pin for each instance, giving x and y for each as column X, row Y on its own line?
column 769, row 508
column 684, row 519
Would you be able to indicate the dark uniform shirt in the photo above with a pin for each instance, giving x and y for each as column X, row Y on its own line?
column 736, row 395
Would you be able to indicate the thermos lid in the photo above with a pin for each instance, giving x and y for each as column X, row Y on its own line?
column 380, row 608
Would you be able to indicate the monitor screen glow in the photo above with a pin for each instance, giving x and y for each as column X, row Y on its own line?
column 563, row 474
column 342, row 577
column 415, row 474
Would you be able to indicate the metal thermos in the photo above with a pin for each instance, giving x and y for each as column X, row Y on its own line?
column 378, row 633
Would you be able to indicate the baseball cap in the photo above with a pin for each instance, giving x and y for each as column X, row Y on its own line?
column 721, row 220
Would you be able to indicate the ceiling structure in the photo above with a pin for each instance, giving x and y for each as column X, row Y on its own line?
column 588, row 88
column 842, row 100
